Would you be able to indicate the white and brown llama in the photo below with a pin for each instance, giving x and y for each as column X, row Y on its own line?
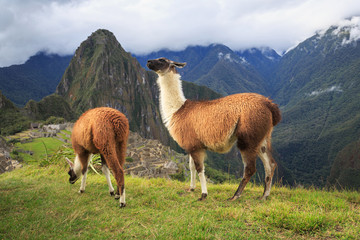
column 247, row 119
column 100, row 130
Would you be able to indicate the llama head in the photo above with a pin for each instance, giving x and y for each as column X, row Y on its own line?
column 164, row 65
column 73, row 178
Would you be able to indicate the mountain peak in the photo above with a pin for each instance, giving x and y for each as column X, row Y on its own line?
column 100, row 42
column 99, row 64
column 102, row 36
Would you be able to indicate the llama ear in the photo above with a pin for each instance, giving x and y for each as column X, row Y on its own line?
column 69, row 162
column 179, row 65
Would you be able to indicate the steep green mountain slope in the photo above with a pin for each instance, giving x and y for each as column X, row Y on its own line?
column 11, row 119
column 35, row 79
column 345, row 172
column 50, row 106
column 226, row 72
column 319, row 89
column 14, row 119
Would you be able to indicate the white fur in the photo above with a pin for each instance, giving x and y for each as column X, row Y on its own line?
column 244, row 162
column 192, row 173
column 83, row 183
column 122, row 198
column 171, row 96
column 106, row 172
column 83, row 179
column 267, row 166
column 202, row 179
column 77, row 166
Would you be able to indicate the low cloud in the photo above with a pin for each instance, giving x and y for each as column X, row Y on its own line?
column 327, row 90
column 142, row 26
column 351, row 26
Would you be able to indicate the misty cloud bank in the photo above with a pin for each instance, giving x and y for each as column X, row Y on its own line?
column 352, row 26
column 142, row 26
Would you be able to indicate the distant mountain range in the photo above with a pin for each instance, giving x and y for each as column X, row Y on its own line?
column 35, row 79
column 221, row 69
column 316, row 85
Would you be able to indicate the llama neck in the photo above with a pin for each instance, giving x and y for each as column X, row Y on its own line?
column 171, row 95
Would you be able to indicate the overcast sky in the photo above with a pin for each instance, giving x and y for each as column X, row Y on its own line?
column 142, row 26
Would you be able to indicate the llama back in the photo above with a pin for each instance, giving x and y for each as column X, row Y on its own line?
column 119, row 122
column 94, row 121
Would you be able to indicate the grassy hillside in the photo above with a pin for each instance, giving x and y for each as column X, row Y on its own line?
column 39, row 203
column 40, row 149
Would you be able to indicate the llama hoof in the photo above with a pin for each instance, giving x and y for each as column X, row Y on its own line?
column 81, row 191
column 122, row 205
column 264, row 198
column 117, row 196
column 203, row 197
column 233, row 198
column 191, row 190
column 112, row 194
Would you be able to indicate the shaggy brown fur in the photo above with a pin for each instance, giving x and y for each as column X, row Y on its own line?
column 216, row 125
column 102, row 130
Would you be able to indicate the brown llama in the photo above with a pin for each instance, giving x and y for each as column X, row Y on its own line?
column 247, row 119
column 100, row 130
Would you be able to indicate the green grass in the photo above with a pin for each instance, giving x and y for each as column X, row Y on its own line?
column 40, row 147
column 39, row 203
column 66, row 132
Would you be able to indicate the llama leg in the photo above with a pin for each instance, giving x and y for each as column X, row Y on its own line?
column 249, row 160
column 192, row 174
column 77, row 166
column 106, row 172
column 113, row 153
column 202, row 179
column 121, row 154
column 119, row 177
column 83, row 183
column 84, row 170
column 122, row 198
column 269, row 166
column 198, row 158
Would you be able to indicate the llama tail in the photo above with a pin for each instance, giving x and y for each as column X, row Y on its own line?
column 276, row 114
